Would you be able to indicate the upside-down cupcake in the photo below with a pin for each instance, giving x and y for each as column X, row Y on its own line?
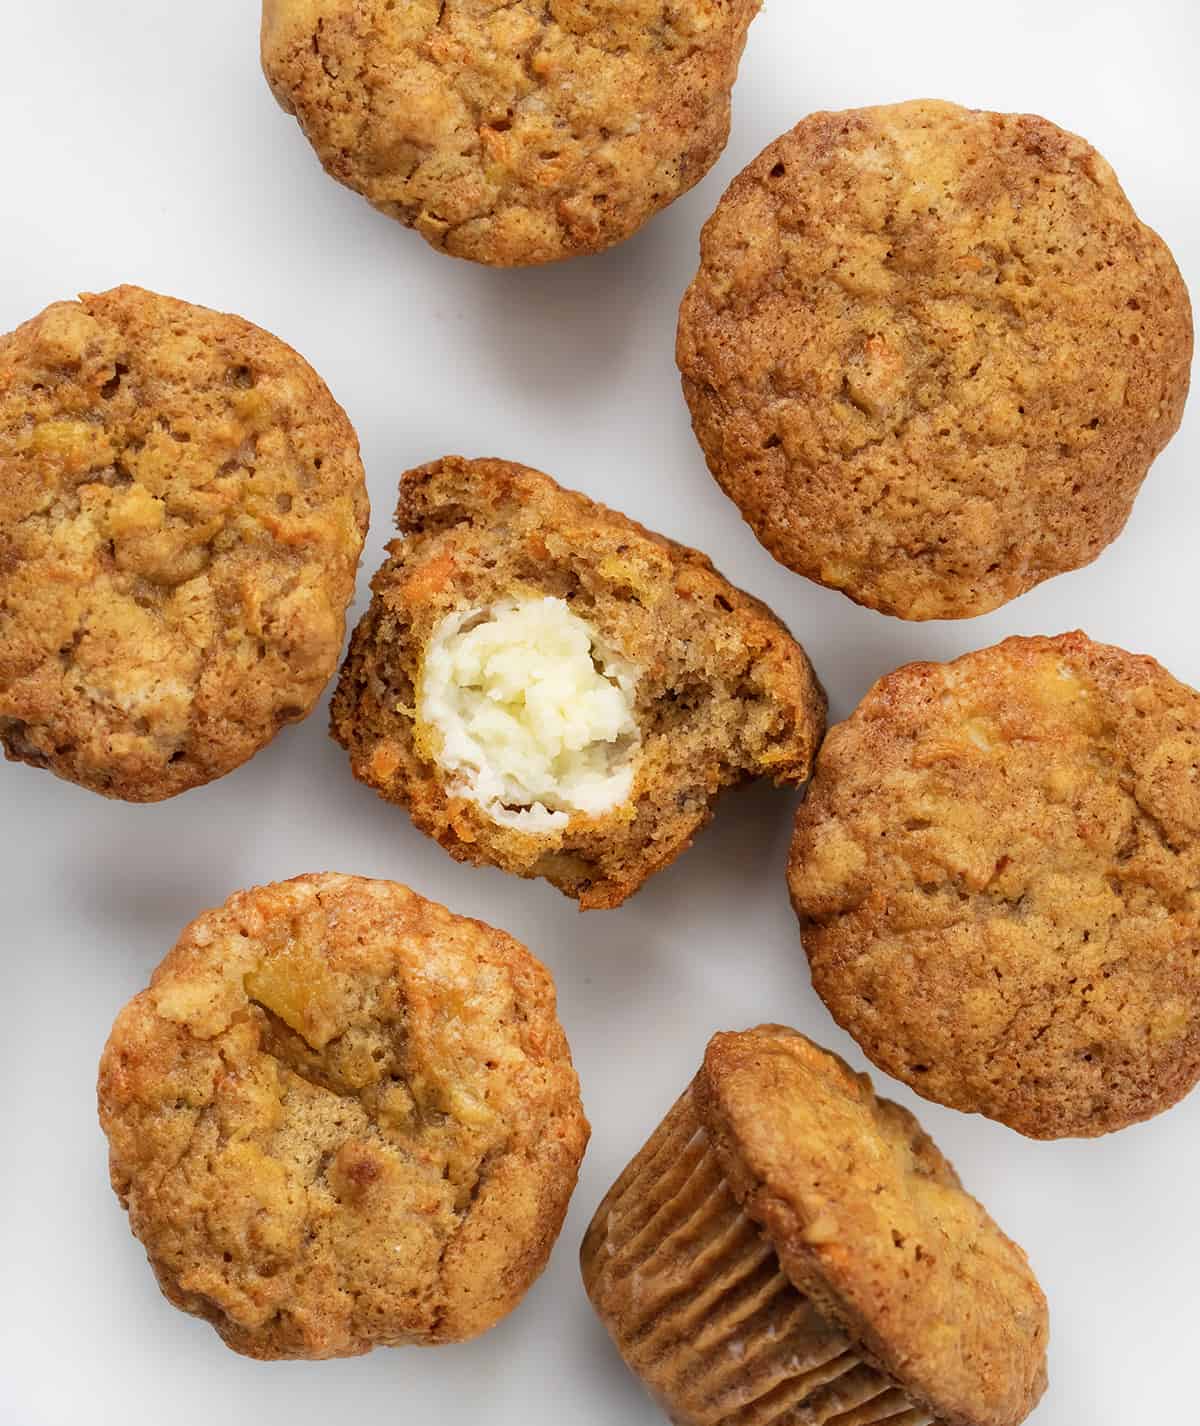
column 995, row 871
column 514, row 133
column 932, row 352
column 182, row 508
column 342, row 1117
column 789, row 1248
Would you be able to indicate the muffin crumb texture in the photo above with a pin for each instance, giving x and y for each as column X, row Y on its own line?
column 931, row 353
column 996, row 871
column 182, row 508
column 342, row 1117
column 694, row 685
column 510, row 134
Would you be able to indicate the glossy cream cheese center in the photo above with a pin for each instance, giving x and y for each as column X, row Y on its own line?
column 530, row 714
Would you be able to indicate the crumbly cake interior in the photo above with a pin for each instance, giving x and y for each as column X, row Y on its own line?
column 723, row 692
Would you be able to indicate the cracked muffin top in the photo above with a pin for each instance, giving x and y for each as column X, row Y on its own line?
column 182, row 509
column 998, row 877
column 342, row 1117
column 550, row 688
column 513, row 133
column 871, row 1224
column 931, row 354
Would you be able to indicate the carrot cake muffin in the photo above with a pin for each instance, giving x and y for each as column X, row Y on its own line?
column 787, row 1247
column 510, row 134
column 552, row 689
column 997, row 872
column 182, row 509
column 931, row 353
column 342, row 1117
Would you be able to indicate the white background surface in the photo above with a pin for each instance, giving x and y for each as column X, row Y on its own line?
column 141, row 145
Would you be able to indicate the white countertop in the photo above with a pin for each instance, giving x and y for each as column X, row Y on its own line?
column 142, row 145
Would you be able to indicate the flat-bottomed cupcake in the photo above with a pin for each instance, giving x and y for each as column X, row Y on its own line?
column 342, row 1117
column 182, row 509
column 997, row 872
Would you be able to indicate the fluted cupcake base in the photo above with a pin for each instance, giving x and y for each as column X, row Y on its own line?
column 694, row 1297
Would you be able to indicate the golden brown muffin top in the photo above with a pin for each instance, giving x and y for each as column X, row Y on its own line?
column 182, row 508
column 998, row 875
column 931, row 353
column 871, row 1222
column 517, row 133
column 342, row 1117
column 723, row 691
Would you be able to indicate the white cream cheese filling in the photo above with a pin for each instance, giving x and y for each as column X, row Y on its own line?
column 530, row 714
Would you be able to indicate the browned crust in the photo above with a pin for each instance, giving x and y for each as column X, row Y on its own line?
column 872, row 1223
column 726, row 693
column 342, row 1117
column 931, row 353
column 693, row 1295
column 997, row 870
column 511, row 134
column 182, row 508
